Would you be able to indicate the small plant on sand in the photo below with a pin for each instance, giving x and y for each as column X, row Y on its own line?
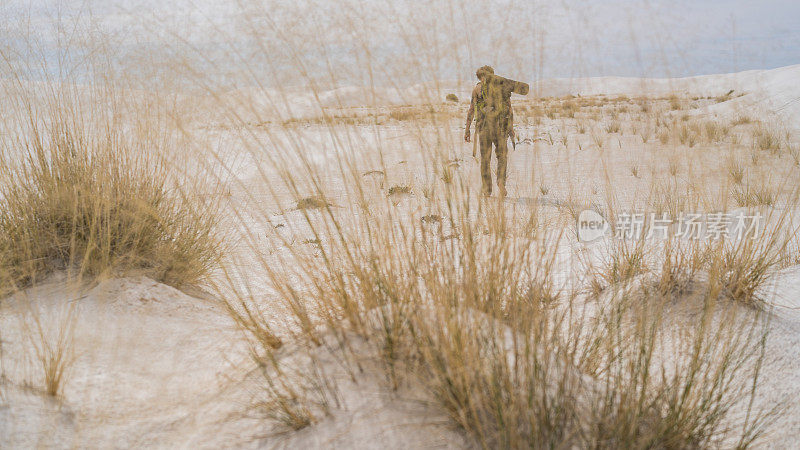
column 672, row 198
column 725, row 97
column 312, row 202
column 755, row 157
column 613, row 127
column 53, row 348
column 766, row 139
column 404, row 114
column 680, row 265
column 794, row 152
column 447, row 174
column 569, row 108
column 598, row 140
column 714, row 131
column 431, row 218
column 675, row 103
column 625, row 262
column 644, row 131
column 451, row 98
column 663, row 136
column 741, row 268
column 687, row 135
column 735, row 171
column 674, row 166
column 292, row 398
column 750, row 196
column 399, row 189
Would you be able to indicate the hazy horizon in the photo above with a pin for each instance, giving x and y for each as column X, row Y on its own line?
column 530, row 40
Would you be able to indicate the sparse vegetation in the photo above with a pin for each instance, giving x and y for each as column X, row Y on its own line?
column 399, row 189
column 312, row 202
column 663, row 136
column 766, row 139
column 741, row 267
column 714, row 131
column 675, row 103
column 687, row 135
column 53, row 346
column 750, row 196
column 473, row 303
column 571, row 378
column 735, row 171
column 725, row 97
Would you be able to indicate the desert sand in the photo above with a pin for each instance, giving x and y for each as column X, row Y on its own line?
column 158, row 367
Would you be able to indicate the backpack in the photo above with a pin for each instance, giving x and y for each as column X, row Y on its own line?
column 480, row 103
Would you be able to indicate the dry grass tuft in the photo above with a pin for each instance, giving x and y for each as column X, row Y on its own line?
column 794, row 152
column 399, row 189
column 680, row 267
column 625, row 262
column 735, row 171
column 675, row 103
column 766, row 139
column 740, row 269
column 54, row 350
column 663, row 136
column 688, row 134
column 93, row 203
column 714, row 131
column 752, row 196
column 313, row 202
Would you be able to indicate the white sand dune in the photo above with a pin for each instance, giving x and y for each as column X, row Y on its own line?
column 156, row 367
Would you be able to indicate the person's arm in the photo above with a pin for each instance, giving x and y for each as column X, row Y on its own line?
column 471, row 112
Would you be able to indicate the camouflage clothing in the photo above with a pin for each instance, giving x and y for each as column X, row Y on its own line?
column 476, row 107
column 494, row 133
column 491, row 107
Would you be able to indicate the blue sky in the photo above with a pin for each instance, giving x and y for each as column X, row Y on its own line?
column 446, row 38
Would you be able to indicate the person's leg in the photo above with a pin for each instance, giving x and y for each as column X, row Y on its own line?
column 501, row 150
column 486, row 161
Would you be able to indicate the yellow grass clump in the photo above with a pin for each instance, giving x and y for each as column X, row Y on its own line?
column 92, row 203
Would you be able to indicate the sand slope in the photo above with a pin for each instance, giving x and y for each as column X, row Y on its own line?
column 155, row 367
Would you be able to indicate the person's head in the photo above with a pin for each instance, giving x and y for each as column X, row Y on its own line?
column 483, row 72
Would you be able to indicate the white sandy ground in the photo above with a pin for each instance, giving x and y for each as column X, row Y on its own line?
column 156, row 367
